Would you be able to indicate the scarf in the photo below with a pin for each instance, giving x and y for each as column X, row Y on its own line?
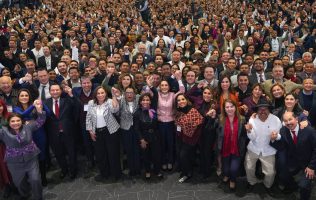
column 230, row 142
column 151, row 112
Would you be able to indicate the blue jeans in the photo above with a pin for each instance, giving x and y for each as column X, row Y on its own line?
column 231, row 166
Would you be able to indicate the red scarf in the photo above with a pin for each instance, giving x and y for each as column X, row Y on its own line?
column 230, row 143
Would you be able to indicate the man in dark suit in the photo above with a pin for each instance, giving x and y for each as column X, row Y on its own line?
column 25, row 49
column 308, row 72
column 264, row 56
column 112, row 47
column 47, row 61
column 296, row 155
column 224, row 60
column 59, row 125
column 259, row 76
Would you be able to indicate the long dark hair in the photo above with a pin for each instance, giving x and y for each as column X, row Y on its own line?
column 297, row 109
column 19, row 104
column 219, row 88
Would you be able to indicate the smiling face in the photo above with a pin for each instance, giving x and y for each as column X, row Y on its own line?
column 277, row 91
column 289, row 120
column 257, row 92
column 207, row 95
column 126, row 81
column 15, row 123
column 230, row 109
column 225, row 84
column 55, row 91
column 263, row 113
column 182, row 101
column 24, row 97
column 101, row 95
column 290, row 101
column 164, row 87
column 145, row 102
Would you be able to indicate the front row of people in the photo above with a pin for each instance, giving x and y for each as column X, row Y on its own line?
column 288, row 150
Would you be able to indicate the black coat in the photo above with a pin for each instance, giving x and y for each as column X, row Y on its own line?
column 312, row 112
column 42, row 62
column 67, row 116
column 301, row 155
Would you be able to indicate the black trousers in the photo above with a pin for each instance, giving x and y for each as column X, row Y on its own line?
column 292, row 177
column 62, row 144
column 186, row 158
column 132, row 149
column 107, row 152
column 152, row 153
column 206, row 145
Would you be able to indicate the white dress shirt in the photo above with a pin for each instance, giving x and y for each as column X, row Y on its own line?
column 48, row 61
column 47, row 94
column 260, row 135
column 38, row 53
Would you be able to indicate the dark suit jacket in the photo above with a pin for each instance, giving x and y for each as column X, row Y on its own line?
column 42, row 62
column 28, row 52
column 301, row 155
column 220, row 68
column 269, row 67
column 312, row 112
column 108, row 49
column 253, row 78
column 68, row 114
column 303, row 75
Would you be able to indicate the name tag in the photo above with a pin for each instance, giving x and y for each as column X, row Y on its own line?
column 85, row 107
column 9, row 108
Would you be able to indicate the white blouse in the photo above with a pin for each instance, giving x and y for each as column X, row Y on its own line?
column 100, row 117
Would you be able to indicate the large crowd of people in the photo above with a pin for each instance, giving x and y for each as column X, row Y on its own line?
column 224, row 85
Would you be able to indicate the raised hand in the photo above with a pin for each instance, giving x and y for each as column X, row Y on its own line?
column 143, row 144
column 178, row 75
column 274, row 135
column 68, row 90
column 115, row 92
column 38, row 105
column 211, row 113
column 150, row 81
column 248, row 127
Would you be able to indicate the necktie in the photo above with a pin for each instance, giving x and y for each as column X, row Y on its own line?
column 261, row 78
column 294, row 137
column 56, row 109
column 238, row 63
column 47, row 62
column 112, row 50
column 43, row 95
